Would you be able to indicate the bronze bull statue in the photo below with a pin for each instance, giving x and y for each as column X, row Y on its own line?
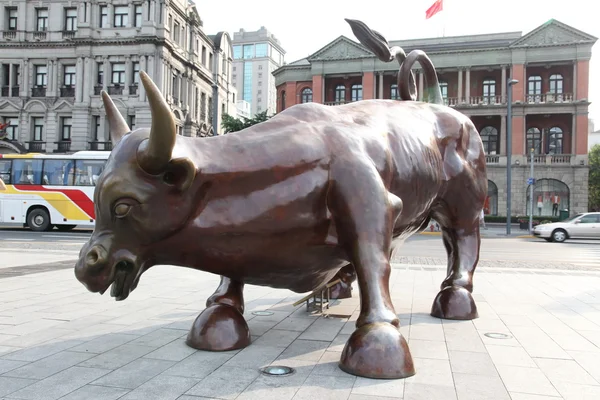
column 290, row 202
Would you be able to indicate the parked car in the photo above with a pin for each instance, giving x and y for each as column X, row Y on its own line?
column 581, row 226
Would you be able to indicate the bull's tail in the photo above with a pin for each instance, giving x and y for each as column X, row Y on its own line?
column 407, row 89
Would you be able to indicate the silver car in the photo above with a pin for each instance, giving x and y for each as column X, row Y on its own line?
column 581, row 226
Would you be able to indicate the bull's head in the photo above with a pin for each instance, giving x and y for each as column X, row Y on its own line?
column 141, row 199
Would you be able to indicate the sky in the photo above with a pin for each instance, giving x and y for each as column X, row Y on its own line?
column 305, row 26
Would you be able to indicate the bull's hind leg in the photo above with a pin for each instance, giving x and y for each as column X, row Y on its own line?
column 221, row 326
column 462, row 241
column 364, row 213
column 343, row 289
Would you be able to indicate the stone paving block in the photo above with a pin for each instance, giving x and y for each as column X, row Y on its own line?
column 428, row 349
column 310, row 350
column 30, row 327
column 277, row 338
column 259, row 327
column 221, row 385
column 60, row 384
column 565, row 371
column 325, row 388
column 328, row 365
column 428, row 391
column 323, row 329
column 526, row 380
column 379, row 387
column 526, row 396
column 161, row 387
column 479, row 387
column 200, row 364
column 473, row 363
column 574, row 391
column 177, row 350
column 9, row 365
column 508, row 355
column 295, row 324
column 430, row 371
column 427, row 332
column 37, row 337
column 104, row 343
column 11, row 385
column 134, row 374
column 118, row 356
column 538, row 344
column 517, row 320
column 92, row 392
column 41, row 351
column 49, row 366
column 255, row 356
column 589, row 361
column 339, row 343
column 158, row 338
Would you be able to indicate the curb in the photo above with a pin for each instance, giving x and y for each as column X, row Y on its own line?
column 431, row 233
column 525, row 237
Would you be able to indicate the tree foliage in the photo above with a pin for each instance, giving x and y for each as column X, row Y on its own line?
column 231, row 124
column 594, row 179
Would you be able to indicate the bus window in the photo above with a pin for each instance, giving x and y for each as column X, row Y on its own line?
column 58, row 172
column 88, row 172
column 27, row 172
column 5, row 171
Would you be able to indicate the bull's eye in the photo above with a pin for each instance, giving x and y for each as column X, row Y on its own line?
column 122, row 210
column 169, row 177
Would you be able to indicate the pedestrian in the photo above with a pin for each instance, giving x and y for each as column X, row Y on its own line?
column 482, row 219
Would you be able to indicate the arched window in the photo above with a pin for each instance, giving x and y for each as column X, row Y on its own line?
column 394, row 94
column 282, row 100
column 556, row 84
column 444, row 89
column 489, row 91
column 534, row 88
column 489, row 137
column 549, row 197
column 490, row 207
column 307, row 95
column 340, row 93
column 534, row 140
column 357, row 92
column 555, row 140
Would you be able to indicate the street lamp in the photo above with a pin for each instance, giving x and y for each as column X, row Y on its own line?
column 509, row 85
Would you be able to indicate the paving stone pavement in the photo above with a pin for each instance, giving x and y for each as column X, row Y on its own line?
column 58, row 341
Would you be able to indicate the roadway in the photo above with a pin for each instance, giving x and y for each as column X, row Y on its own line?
column 23, row 247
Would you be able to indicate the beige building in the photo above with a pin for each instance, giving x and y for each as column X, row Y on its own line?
column 56, row 57
column 256, row 55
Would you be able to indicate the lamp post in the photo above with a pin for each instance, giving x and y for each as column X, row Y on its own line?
column 509, row 85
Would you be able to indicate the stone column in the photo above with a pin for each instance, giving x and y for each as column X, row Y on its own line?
column 79, row 81
column 468, row 86
column 460, row 85
column 128, row 73
column 143, row 67
column 131, row 19
column 10, row 78
column 89, row 80
column 25, row 74
column 111, row 15
column 502, row 150
column 380, row 85
column 105, row 73
column 49, row 77
column 574, row 83
column 152, row 72
column 574, row 134
column 420, row 94
column 190, row 96
column 503, row 87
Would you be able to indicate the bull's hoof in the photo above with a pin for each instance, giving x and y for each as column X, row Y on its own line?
column 454, row 302
column 340, row 290
column 219, row 328
column 377, row 351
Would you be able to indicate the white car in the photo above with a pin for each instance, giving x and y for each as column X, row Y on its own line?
column 581, row 226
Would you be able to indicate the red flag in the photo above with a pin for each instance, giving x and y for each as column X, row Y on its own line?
column 434, row 9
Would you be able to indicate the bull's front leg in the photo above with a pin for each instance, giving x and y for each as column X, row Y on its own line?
column 364, row 213
column 221, row 326
column 343, row 289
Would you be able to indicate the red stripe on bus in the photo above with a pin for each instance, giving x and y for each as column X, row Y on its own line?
column 76, row 196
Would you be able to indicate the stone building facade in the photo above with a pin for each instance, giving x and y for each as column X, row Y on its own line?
column 56, row 57
column 549, row 108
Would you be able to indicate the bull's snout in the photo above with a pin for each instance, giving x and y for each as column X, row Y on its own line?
column 92, row 268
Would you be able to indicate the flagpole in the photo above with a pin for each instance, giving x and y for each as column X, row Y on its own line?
column 444, row 11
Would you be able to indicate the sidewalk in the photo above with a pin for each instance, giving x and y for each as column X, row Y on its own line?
column 494, row 230
column 58, row 341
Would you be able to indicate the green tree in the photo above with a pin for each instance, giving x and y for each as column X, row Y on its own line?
column 231, row 124
column 594, row 179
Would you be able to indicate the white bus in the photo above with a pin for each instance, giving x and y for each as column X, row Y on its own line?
column 43, row 191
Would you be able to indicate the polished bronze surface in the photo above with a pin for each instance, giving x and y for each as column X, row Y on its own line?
column 289, row 203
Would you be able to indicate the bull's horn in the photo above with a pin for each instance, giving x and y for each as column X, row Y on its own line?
column 155, row 153
column 116, row 122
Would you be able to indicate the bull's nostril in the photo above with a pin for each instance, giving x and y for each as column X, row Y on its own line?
column 92, row 257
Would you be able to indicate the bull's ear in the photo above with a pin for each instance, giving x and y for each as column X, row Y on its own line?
column 180, row 173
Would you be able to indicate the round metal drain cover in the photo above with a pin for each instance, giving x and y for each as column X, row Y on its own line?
column 277, row 370
column 262, row 313
column 495, row 335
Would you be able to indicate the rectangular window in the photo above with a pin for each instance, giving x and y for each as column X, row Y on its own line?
column 27, row 172
column 210, row 62
column 176, row 32
column 42, row 19
column 70, row 19
column 12, row 19
column 237, row 52
column 58, row 172
column 103, row 16
column 118, row 73
column 248, row 50
column 95, row 127
column 204, row 56
column 66, row 126
column 37, row 124
column 100, row 77
column 136, row 73
column 262, row 49
column 203, row 107
column 12, row 130
column 121, row 16
column 131, row 122
column 247, row 90
column 5, row 171
column 138, row 15
column 88, row 171
column 69, row 75
column 41, row 75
